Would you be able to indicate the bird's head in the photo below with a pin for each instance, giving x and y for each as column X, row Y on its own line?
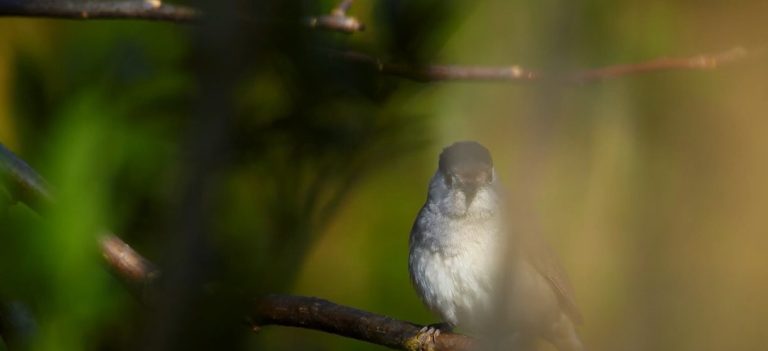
column 464, row 183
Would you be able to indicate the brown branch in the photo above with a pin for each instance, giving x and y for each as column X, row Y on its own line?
column 432, row 73
column 341, row 24
column 152, row 10
column 143, row 10
column 28, row 186
column 141, row 276
column 136, row 272
column 514, row 73
column 338, row 20
column 323, row 315
column 700, row 62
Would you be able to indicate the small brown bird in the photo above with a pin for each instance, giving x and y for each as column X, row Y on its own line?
column 468, row 270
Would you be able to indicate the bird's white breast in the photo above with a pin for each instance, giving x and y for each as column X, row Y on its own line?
column 452, row 265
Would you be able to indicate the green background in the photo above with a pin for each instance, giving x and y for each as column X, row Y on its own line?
column 651, row 187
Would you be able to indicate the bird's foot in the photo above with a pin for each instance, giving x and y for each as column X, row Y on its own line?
column 427, row 335
column 436, row 329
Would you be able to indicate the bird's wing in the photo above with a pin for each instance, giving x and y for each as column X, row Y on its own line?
column 545, row 261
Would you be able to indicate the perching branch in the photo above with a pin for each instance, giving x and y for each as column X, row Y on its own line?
column 319, row 314
column 291, row 311
column 294, row 311
column 141, row 277
column 514, row 73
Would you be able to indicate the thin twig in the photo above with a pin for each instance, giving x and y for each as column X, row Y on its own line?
column 341, row 24
column 338, row 20
column 699, row 62
column 432, row 73
column 152, row 10
column 142, row 10
column 514, row 73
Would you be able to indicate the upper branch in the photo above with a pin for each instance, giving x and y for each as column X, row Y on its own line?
column 338, row 20
column 515, row 73
column 699, row 62
column 432, row 73
column 153, row 10
column 144, row 10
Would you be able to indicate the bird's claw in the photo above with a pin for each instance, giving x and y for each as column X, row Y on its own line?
column 429, row 331
column 427, row 335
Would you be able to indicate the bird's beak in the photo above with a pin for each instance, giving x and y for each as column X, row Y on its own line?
column 470, row 183
column 469, row 194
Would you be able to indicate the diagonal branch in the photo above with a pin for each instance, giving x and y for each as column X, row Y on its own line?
column 138, row 274
column 142, row 277
column 28, row 186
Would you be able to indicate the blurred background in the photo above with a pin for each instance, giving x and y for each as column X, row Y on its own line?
column 243, row 159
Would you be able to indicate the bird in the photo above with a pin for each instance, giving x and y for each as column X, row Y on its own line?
column 469, row 267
